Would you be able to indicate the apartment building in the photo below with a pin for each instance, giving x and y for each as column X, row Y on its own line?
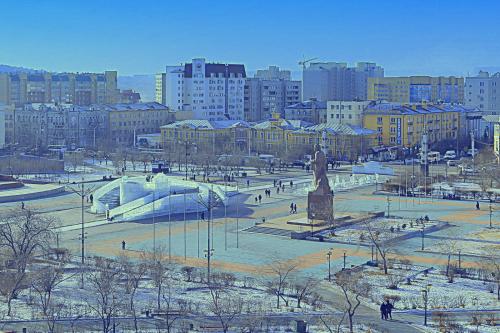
column 160, row 88
column 403, row 125
column 210, row 91
column 270, row 91
column 417, row 89
column 111, row 125
column 483, row 92
column 346, row 112
column 335, row 81
column 70, row 88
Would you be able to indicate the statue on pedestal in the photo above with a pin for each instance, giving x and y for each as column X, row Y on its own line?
column 320, row 200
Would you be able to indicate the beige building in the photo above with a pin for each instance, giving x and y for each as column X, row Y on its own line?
column 70, row 88
column 416, row 89
column 346, row 112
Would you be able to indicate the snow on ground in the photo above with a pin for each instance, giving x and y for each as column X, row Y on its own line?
column 463, row 293
column 193, row 296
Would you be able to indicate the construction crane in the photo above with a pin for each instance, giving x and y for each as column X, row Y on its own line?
column 305, row 62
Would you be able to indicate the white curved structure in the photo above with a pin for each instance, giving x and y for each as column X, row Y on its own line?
column 136, row 198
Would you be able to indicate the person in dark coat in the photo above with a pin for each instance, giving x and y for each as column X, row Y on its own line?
column 477, row 205
column 383, row 311
column 388, row 309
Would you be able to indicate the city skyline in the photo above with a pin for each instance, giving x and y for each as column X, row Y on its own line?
column 92, row 36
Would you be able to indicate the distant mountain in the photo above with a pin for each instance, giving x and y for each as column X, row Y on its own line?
column 143, row 84
column 13, row 69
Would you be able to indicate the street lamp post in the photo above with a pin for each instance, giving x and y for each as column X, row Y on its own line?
column 491, row 212
column 329, row 255
column 425, row 295
column 423, row 236
column 344, row 259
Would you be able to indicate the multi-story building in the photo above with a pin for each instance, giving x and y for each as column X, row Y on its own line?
column 483, row 92
column 126, row 121
column 269, row 92
column 417, row 89
column 288, row 139
column 208, row 91
column 403, row 125
column 160, row 87
column 72, row 88
column 2, row 126
column 44, row 125
column 346, row 112
column 311, row 111
column 332, row 81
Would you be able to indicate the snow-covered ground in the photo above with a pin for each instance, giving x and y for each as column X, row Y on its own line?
column 463, row 293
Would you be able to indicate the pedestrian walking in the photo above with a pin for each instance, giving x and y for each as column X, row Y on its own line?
column 477, row 205
column 291, row 208
column 295, row 208
column 203, row 216
column 388, row 308
column 291, row 183
column 277, row 190
column 256, row 199
column 248, row 183
column 283, row 188
column 280, row 183
column 22, row 204
column 260, row 198
column 123, row 245
column 383, row 311
column 274, row 182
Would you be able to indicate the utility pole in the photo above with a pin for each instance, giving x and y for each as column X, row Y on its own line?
column 388, row 207
column 473, row 151
column 82, row 192
column 344, row 259
column 491, row 213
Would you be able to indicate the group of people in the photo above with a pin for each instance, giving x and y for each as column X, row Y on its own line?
column 293, row 208
column 386, row 310
column 267, row 193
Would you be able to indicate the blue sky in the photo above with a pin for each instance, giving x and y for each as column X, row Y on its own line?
column 136, row 37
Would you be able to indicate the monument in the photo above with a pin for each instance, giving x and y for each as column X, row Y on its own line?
column 320, row 199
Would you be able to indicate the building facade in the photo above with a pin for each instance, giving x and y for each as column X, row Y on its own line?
column 417, row 89
column 160, row 87
column 96, row 126
column 210, row 91
column 2, row 126
column 269, row 92
column 483, row 92
column 70, row 88
column 334, row 81
column 346, row 112
column 287, row 139
column 311, row 111
column 403, row 125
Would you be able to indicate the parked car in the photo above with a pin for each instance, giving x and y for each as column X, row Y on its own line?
column 451, row 163
column 469, row 152
column 299, row 163
column 450, row 155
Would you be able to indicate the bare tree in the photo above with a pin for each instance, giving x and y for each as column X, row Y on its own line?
column 105, row 293
column 379, row 236
column 280, row 272
column 73, row 159
column 303, row 288
column 224, row 305
column 158, row 269
column 23, row 234
column 45, row 281
column 169, row 312
column 353, row 289
column 133, row 273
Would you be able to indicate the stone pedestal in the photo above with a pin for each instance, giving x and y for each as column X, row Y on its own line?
column 320, row 206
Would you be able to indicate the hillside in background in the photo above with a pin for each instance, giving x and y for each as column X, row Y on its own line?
column 12, row 69
column 143, row 84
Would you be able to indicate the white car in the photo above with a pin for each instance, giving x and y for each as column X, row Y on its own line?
column 450, row 155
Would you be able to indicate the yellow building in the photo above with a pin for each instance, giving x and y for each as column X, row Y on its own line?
column 287, row 139
column 403, row 125
column 416, row 89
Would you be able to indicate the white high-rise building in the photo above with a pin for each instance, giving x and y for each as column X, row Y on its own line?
column 483, row 92
column 210, row 91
